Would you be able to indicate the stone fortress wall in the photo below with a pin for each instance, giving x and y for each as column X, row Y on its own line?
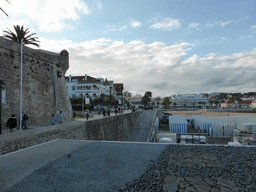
column 43, row 92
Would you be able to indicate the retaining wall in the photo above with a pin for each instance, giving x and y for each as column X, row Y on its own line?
column 116, row 128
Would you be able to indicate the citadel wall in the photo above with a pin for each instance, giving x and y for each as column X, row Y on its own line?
column 44, row 93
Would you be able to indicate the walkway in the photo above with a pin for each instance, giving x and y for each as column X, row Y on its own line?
column 141, row 130
column 40, row 128
column 68, row 165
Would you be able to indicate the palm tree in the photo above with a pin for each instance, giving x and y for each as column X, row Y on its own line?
column 21, row 34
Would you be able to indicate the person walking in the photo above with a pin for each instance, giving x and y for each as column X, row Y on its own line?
column 103, row 112
column 98, row 111
column 53, row 120
column 108, row 112
column 87, row 114
column 24, row 121
column 11, row 123
column 60, row 117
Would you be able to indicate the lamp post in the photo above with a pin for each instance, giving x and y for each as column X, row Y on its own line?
column 1, row 86
column 21, row 63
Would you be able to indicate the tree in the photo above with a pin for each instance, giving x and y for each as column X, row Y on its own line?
column 21, row 34
column 146, row 98
column 3, row 10
column 166, row 102
column 148, row 94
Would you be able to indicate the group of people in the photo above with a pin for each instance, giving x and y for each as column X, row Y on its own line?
column 13, row 122
column 59, row 118
column 118, row 110
column 104, row 112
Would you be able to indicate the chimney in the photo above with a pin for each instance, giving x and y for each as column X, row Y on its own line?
column 69, row 78
column 85, row 77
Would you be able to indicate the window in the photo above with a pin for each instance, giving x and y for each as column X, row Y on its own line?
column 73, row 87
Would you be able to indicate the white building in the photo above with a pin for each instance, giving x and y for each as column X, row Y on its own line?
column 89, row 87
column 189, row 101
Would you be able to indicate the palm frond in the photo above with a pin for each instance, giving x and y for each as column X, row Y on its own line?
column 21, row 34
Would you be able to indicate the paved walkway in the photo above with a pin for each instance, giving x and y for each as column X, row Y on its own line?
column 141, row 131
column 41, row 128
column 68, row 165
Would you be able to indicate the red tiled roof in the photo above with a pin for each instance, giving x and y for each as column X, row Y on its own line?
column 119, row 86
column 245, row 102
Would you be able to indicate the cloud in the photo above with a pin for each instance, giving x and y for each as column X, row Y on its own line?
column 167, row 24
column 48, row 15
column 194, row 25
column 162, row 69
column 253, row 27
column 113, row 29
column 246, row 37
column 219, row 23
column 134, row 24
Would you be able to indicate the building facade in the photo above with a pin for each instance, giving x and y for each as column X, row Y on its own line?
column 189, row 101
column 89, row 87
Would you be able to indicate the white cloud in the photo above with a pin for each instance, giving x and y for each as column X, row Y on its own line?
column 117, row 29
column 194, row 25
column 135, row 24
column 219, row 23
column 162, row 69
column 167, row 23
column 47, row 14
column 246, row 37
column 253, row 27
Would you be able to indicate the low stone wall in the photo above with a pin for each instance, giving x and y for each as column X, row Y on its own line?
column 116, row 128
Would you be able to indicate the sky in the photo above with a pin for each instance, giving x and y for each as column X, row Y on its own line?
column 162, row 46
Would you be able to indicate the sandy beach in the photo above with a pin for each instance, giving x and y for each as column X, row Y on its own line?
column 208, row 114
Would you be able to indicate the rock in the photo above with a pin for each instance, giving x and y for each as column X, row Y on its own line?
column 226, row 183
column 209, row 181
column 190, row 179
column 215, row 189
column 169, row 187
column 170, row 179
column 190, row 188
column 183, row 184
column 200, row 186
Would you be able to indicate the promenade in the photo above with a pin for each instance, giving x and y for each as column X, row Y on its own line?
column 40, row 128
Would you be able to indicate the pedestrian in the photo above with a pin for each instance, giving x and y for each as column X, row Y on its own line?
column 53, row 120
column 60, row 117
column 11, row 123
column 87, row 115
column 108, row 112
column 119, row 109
column 24, row 121
column 116, row 111
column 99, row 111
column 103, row 112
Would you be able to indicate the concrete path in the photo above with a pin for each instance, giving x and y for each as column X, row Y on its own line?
column 141, row 130
column 67, row 165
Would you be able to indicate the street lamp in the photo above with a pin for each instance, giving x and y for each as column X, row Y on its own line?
column 1, row 87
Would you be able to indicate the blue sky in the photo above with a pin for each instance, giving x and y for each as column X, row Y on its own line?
column 167, row 47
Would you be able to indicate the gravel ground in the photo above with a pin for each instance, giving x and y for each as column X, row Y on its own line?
column 194, row 163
